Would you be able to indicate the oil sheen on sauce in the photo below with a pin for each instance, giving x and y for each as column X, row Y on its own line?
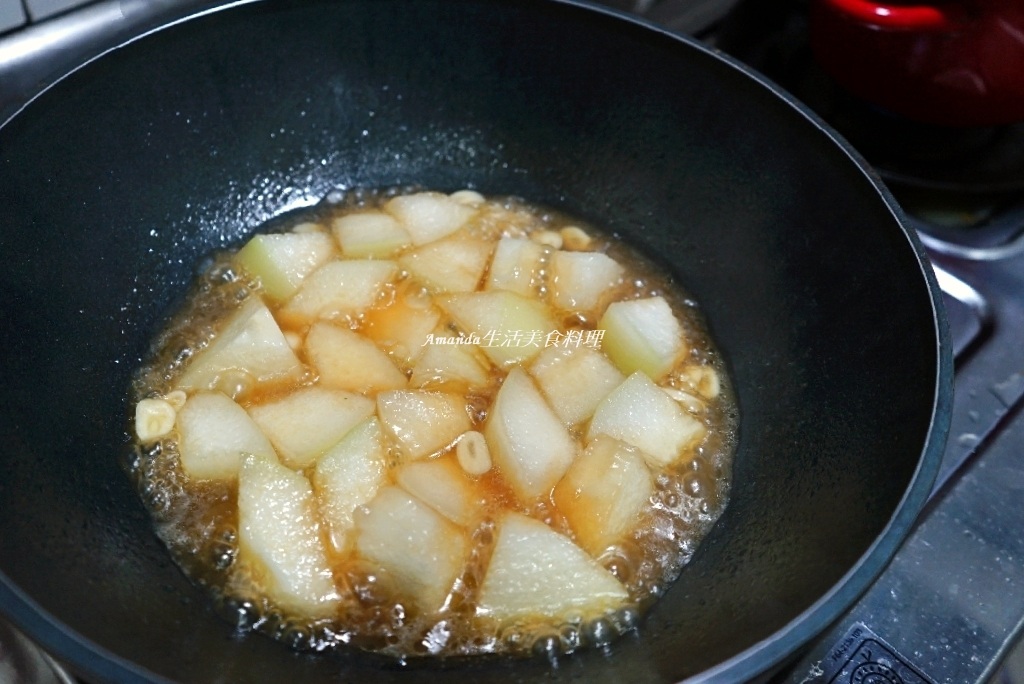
column 198, row 519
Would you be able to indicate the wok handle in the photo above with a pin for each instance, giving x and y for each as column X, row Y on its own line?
column 900, row 16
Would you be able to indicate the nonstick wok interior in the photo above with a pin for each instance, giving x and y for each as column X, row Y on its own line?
column 115, row 183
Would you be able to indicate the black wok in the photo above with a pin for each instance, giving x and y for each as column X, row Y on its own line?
column 117, row 181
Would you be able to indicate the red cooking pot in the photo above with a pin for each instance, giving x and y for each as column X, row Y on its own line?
column 952, row 63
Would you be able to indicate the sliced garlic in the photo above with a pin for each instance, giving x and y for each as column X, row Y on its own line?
column 154, row 418
column 176, row 398
column 575, row 239
column 547, row 237
column 473, row 454
column 704, row 380
column 686, row 400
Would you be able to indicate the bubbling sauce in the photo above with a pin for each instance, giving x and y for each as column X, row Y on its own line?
column 369, row 605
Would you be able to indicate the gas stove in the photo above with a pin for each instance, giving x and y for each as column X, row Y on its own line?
column 950, row 606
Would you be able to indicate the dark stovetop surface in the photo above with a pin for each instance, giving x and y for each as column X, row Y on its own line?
column 950, row 607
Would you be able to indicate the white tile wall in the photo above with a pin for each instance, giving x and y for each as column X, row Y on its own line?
column 12, row 14
column 41, row 9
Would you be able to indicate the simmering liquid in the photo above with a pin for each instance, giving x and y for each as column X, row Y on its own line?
column 370, row 608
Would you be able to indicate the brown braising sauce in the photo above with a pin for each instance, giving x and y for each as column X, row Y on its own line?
column 199, row 520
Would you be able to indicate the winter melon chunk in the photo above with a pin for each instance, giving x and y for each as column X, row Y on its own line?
column 338, row 288
column 370, row 234
column 516, row 266
column 308, row 422
column 526, row 439
column 448, row 265
column 441, row 484
column 644, row 335
column 446, row 363
column 422, row 422
column 282, row 261
column 279, row 538
column 250, row 343
column 421, row 551
column 429, row 216
column 537, row 572
column 642, row 414
column 347, row 360
column 604, row 492
column 347, row 476
column 575, row 380
column 509, row 328
column 580, row 281
column 214, row 433
column 403, row 327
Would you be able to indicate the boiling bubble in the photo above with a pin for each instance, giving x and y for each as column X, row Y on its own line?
column 599, row 631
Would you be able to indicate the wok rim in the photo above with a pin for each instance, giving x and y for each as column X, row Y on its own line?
column 81, row 655
column 772, row 652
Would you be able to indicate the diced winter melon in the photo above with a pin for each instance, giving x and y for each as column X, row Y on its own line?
column 510, row 328
column 450, row 365
column 214, row 433
column 575, row 380
column 642, row 414
column 347, row 476
column 282, row 261
column 347, row 360
column 402, row 327
column 516, row 266
column 250, row 343
column 642, row 334
column 537, row 572
column 370, row 234
column 448, row 265
column 604, row 492
column 306, row 423
column 423, row 422
column 279, row 538
column 580, row 281
column 421, row 550
column 441, row 484
column 526, row 439
column 429, row 216
column 338, row 288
